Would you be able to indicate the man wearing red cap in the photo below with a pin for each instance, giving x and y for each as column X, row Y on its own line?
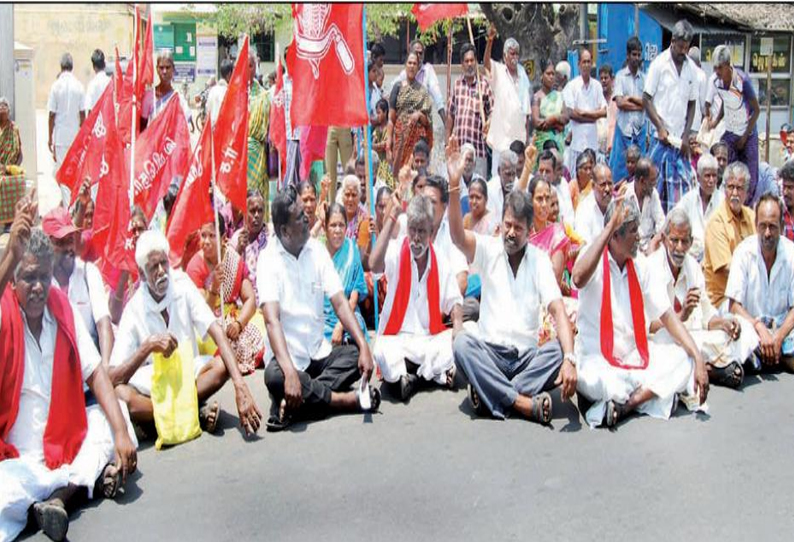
column 81, row 281
column 51, row 441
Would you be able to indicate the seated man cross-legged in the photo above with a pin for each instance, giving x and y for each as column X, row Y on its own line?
column 294, row 275
column 412, row 341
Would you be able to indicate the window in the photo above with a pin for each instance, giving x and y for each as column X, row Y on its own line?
column 781, row 70
column 736, row 42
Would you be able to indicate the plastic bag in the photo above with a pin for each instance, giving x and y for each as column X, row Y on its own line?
column 174, row 397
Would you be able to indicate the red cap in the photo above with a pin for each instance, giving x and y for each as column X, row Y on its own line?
column 58, row 223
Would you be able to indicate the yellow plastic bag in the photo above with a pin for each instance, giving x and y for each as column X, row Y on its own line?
column 174, row 397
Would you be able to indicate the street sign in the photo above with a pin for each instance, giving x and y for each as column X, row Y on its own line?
column 185, row 71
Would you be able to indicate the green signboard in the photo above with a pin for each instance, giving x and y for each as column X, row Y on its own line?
column 184, row 42
column 163, row 37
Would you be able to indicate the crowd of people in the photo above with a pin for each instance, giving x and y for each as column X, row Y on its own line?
column 610, row 254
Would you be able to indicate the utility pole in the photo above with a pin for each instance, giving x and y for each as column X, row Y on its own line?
column 7, row 53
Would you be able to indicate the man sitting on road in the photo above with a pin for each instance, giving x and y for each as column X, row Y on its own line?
column 506, row 368
column 294, row 274
column 618, row 369
column 590, row 213
column 699, row 205
column 725, row 342
column 50, row 443
column 168, row 310
column 643, row 191
column 412, row 341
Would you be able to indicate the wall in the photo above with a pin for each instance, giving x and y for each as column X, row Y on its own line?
column 53, row 29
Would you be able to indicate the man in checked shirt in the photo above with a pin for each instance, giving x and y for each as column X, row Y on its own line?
column 464, row 108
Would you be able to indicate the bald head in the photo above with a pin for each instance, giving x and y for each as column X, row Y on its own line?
column 602, row 185
column 645, row 177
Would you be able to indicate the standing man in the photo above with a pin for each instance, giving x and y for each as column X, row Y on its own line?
column 427, row 77
column 700, row 80
column 97, row 85
column 606, row 125
column 584, row 105
column 66, row 106
column 218, row 91
column 631, row 126
column 740, row 111
column 464, row 108
column 512, row 98
column 670, row 97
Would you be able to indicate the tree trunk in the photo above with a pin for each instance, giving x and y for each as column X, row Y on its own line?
column 542, row 34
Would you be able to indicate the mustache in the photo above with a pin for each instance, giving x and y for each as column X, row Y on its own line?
column 161, row 282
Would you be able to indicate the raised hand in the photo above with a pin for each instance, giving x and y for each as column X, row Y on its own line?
column 25, row 214
column 455, row 162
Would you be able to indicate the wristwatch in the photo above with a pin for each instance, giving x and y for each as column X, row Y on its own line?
column 570, row 357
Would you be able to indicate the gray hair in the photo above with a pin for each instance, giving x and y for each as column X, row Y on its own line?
column 39, row 246
column 683, row 31
column 707, row 161
column 632, row 216
column 150, row 241
column 721, row 55
column 466, row 148
column 736, row 170
column 165, row 54
column 4, row 101
column 694, row 54
column 677, row 218
column 563, row 68
column 66, row 62
column 351, row 180
column 511, row 45
column 508, row 157
column 420, row 210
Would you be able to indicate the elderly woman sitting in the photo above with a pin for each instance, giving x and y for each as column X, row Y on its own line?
column 358, row 223
column 10, row 142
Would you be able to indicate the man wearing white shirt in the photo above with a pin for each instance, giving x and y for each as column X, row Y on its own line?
column 619, row 370
column 643, row 191
column 726, row 343
column 760, row 284
column 590, row 213
column 700, row 81
column 670, row 98
column 547, row 168
column 217, row 93
column 427, row 78
column 97, row 85
column 413, row 342
column 584, row 104
column 66, row 105
column 506, row 368
column 294, row 275
column 700, row 204
column 166, row 311
column 502, row 183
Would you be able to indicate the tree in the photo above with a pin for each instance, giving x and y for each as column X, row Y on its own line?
column 542, row 30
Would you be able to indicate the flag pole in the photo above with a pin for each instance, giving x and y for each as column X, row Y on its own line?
column 216, row 217
column 368, row 160
column 133, row 124
column 449, row 59
column 278, row 156
column 477, row 69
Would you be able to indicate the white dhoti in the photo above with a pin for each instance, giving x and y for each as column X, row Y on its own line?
column 669, row 371
column 432, row 353
column 716, row 346
column 27, row 480
column 142, row 379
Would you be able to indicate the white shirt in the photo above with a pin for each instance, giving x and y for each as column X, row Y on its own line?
column 299, row 285
column 417, row 314
column 95, row 89
column 589, row 219
column 496, row 197
column 27, row 434
column 215, row 99
column 692, row 205
column 511, row 106
column 700, row 105
column 66, row 100
column 690, row 276
column 565, row 201
column 87, row 294
column 189, row 318
column 510, row 304
column 672, row 92
column 590, row 97
column 762, row 294
column 588, row 341
column 651, row 216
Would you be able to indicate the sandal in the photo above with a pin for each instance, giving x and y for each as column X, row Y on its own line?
column 280, row 420
column 208, row 417
column 476, row 403
column 52, row 519
column 407, row 386
column 539, row 414
column 374, row 400
column 451, row 373
column 615, row 413
column 109, row 481
column 730, row 376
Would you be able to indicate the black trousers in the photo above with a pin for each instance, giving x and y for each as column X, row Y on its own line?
column 336, row 372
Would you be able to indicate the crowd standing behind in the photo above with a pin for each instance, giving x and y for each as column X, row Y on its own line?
column 577, row 237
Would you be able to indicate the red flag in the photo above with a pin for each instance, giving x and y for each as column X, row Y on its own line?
column 161, row 153
column 231, row 135
column 88, row 154
column 312, row 145
column 326, row 63
column 144, row 60
column 278, row 120
column 427, row 14
column 192, row 207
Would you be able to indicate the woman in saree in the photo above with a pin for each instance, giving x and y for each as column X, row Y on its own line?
column 548, row 112
column 252, row 238
column 479, row 219
column 583, row 184
column 410, row 117
column 356, row 216
column 258, row 124
column 227, row 280
column 347, row 262
column 314, row 212
column 10, row 142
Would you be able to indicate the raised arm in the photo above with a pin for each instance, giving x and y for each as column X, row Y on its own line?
column 486, row 61
column 24, row 217
column 530, row 156
column 378, row 255
column 464, row 240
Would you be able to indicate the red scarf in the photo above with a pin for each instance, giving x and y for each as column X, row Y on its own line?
column 403, row 294
column 637, row 317
column 66, row 422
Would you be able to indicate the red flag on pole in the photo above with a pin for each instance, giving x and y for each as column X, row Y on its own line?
column 231, row 135
column 278, row 119
column 326, row 63
column 161, row 153
column 144, row 52
column 192, row 207
column 427, row 14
